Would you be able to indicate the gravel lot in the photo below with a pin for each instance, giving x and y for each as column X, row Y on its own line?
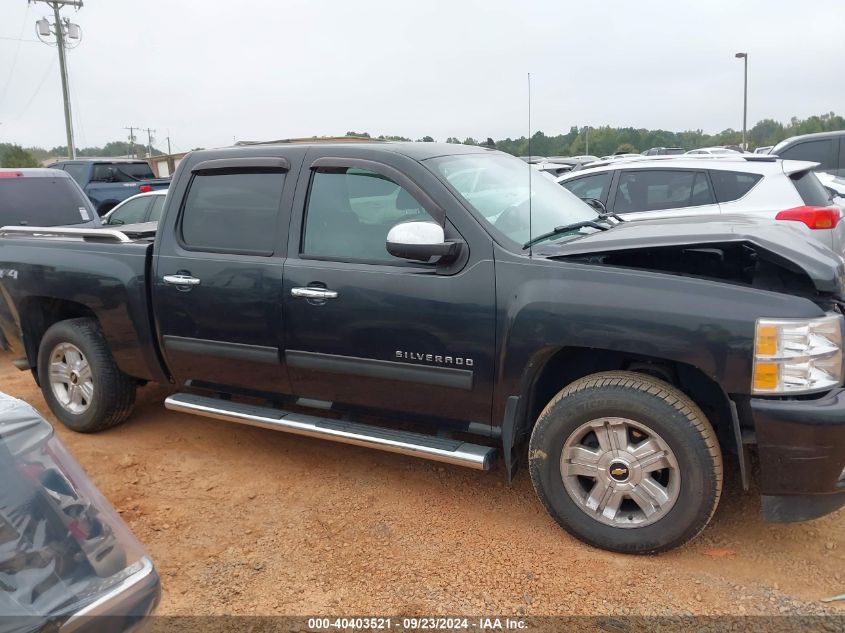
column 249, row 521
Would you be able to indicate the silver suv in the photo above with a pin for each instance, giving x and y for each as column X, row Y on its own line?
column 745, row 185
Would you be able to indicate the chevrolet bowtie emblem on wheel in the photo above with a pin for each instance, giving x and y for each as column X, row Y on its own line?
column 619, row 472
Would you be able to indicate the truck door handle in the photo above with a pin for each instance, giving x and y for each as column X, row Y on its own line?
column 313, row 293
column 181, row 280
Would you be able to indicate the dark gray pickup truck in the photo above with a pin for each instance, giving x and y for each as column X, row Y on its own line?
column 422, row 286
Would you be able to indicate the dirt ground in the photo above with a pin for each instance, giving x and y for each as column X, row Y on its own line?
column 249, row 521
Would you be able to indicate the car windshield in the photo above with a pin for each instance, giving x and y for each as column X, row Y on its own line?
column 43, row 201
column 496, row 186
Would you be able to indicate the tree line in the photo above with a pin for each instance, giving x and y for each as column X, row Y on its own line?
column 602, row 140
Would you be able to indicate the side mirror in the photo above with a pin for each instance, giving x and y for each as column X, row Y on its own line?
column 420, row 241
column 597, row 204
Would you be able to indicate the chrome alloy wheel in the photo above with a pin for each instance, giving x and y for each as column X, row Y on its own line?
column 70, row 378
column 620, row 472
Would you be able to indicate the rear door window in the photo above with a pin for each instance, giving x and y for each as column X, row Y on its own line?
column 732, row 185
column 131, row 212
column 594, row 186
column 122, row 172
column 812, row 191
column 820, row 151
column 655, row 190
column 156, row 209
column 43, row 201
column 77, row 171
column 233, row 212
column 841, row 170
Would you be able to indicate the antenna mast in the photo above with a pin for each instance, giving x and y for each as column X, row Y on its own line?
column 530, row 169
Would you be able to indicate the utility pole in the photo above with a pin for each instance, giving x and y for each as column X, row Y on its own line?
column 744, row 58
column 587, row 134
column 168, row 143
column 61, row 29
column 131, row 129
column 149, row 142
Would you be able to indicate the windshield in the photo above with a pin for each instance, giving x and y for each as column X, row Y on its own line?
column 496, row 186
column 43, row 201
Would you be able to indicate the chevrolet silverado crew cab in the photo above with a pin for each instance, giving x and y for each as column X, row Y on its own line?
column 436, row 300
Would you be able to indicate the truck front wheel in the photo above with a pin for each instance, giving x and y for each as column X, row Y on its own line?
column 626, row 462
column 79, row 379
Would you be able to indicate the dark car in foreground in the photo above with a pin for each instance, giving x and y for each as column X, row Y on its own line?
column 68, row 563
column 43, row 197
column 434, row 300
column 110, row 181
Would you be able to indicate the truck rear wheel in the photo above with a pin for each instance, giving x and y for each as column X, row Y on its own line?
column 79, row 379
column 626, row 462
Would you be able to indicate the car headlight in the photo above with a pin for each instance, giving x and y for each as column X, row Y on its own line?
column 794, row 356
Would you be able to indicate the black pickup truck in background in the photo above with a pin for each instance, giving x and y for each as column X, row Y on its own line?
column 421, row 285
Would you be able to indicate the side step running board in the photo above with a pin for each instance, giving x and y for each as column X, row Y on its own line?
column 391, row 440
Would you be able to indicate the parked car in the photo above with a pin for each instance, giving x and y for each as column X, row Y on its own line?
column 745, row 185
column 712, row 151
column 109, row 181
column 67, row 560
column 663, row 151
column 835, row 185
column 43, row 197
column 425, row 283
column 619, row 156
column 140, row 208
column 572, row 162
column 825, row 148
column 553, row 169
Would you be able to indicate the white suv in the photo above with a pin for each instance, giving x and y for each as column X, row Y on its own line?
column 745, row 185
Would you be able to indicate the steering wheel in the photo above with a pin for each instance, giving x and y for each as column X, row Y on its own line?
column 513, row 219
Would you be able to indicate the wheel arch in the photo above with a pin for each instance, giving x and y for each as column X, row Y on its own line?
column 565, row 365
column 38, row 314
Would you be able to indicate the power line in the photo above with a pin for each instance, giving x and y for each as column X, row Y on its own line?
column 37, row 90
column 18, row 39
column 15, row 58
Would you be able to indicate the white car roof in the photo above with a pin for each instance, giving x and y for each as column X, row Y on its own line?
column 728, row 162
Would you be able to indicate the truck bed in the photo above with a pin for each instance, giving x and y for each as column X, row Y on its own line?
column 39, row 272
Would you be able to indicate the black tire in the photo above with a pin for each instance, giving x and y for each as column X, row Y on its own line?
column 114, row 391
column 660, row 408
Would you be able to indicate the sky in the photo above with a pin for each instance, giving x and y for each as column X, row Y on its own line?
column 208, row 72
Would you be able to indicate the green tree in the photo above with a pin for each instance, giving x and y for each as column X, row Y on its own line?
column 362, row 134
column 470, row 141
column 625, row 148
column 425, row 139
column 16, row 156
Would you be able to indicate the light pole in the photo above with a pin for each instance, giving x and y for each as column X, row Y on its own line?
column 63, row 30
column 587, row 137
column 744, row 58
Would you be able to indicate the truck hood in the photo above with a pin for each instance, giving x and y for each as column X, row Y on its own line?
column 777, row 242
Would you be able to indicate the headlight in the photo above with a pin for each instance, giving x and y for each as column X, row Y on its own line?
column 793, row 356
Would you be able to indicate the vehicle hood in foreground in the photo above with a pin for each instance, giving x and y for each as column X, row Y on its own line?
column 779, row 243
